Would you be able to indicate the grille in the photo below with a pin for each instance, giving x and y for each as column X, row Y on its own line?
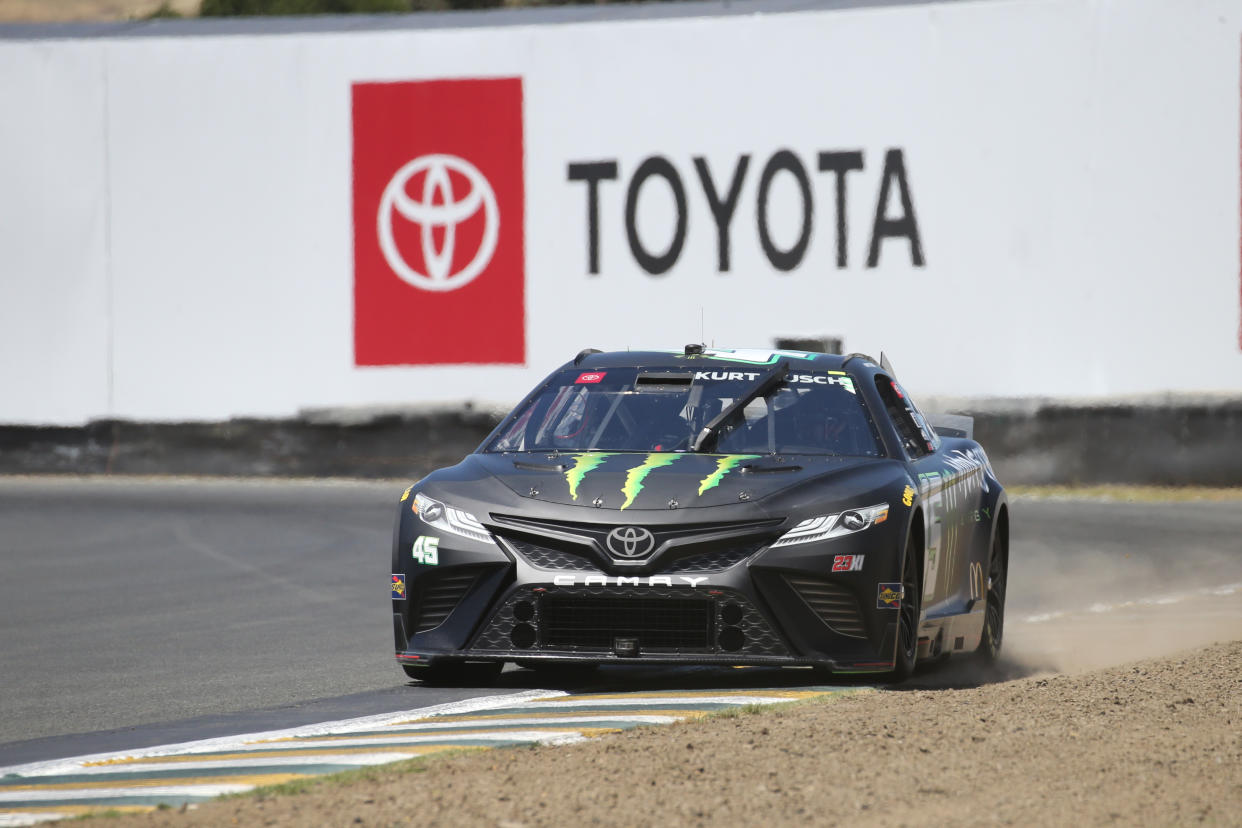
column 545, row 557
column 598, row 532
column 592, row 622
column 715, row 561
column 834, row 604
column 439, row 593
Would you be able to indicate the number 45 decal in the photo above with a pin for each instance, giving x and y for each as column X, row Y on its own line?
column 427, row 550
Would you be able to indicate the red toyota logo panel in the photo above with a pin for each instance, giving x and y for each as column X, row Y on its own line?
column 439, row 273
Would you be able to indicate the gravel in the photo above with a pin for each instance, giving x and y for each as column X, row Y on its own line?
column 1151, row 742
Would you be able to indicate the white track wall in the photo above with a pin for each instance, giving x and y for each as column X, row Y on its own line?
column 177, row 228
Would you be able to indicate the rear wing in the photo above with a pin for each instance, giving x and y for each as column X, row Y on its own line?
column 953, row 425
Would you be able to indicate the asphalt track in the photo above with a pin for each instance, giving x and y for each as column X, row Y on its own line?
column 144, row 612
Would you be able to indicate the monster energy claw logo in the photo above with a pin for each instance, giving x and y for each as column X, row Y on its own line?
column 634, row 479
column 587, row 462
column 724, row 465
column 583, row 463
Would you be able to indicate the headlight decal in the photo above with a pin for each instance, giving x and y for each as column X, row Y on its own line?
column 448, row 519
column 826, row 527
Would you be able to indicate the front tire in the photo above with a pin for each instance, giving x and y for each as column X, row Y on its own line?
column 908, row 614
column 994, row 615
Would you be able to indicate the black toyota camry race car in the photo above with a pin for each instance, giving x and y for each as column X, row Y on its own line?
column 705, row 506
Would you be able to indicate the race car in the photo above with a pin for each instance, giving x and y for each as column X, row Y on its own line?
column 705, row 506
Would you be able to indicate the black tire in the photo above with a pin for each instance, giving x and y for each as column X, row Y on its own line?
column 465, row 674
column 994, row 616
column 908, row 614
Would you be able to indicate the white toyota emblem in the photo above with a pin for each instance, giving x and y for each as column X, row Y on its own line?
column 630, row 541
column 449, row 212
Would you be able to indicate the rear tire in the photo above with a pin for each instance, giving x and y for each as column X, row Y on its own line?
column 462, row 673
column 994, row 616
column 908, row 614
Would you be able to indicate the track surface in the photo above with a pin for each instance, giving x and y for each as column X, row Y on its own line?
column 218, row 607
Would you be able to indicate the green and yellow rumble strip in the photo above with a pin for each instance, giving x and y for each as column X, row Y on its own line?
column 182, row 774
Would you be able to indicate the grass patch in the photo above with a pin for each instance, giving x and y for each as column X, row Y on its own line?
column 776, row 709
column 1120, row 493
column 742, row 710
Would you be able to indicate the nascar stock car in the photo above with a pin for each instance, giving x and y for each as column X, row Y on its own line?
column 705, row 506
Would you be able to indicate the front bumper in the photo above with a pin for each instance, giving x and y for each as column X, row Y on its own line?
column 744, row 605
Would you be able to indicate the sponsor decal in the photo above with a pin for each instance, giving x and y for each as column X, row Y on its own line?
column 978, row 584
column 630, row 542
column 621, row 580
column 583, row 463
column 907, row 497
column 438, row 207
column 848, row 563
column 427, row 550
column 398, row 586
column 893, row 220
column 724, row 465
column 590, row 376
column 635, row 477
column 889, row 596
column 406, row 494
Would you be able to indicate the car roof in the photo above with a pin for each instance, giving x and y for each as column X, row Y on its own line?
column 716, row 358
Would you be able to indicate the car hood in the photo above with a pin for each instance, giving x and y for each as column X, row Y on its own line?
column 638, row 480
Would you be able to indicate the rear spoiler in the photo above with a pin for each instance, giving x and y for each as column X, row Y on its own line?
column 953, row 425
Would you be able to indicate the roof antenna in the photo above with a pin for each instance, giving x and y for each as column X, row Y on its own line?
column 886, row 365
column 702, row 326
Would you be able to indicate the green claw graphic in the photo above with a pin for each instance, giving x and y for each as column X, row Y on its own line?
column 724, row 465
column 584, row 463
column 635, row 477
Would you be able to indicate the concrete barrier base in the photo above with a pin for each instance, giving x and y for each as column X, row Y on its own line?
column 1169, row 442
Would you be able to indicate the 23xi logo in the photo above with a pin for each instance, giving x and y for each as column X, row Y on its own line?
column 439, row 208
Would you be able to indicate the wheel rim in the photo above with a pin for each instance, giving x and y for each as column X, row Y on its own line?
column 995, row 618
column 908, row 622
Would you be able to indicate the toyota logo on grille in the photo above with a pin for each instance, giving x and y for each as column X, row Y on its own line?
column 630, row 542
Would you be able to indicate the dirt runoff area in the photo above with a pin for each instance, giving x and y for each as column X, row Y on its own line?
column 78, row 11
column 1153, row 742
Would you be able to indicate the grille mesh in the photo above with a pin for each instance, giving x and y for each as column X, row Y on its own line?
column 546, row 557
column 592, row 621
column 439, row 593
column 717, row 560
column 834, row 604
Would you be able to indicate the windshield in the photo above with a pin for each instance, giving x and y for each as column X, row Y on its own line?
column 632, row 409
